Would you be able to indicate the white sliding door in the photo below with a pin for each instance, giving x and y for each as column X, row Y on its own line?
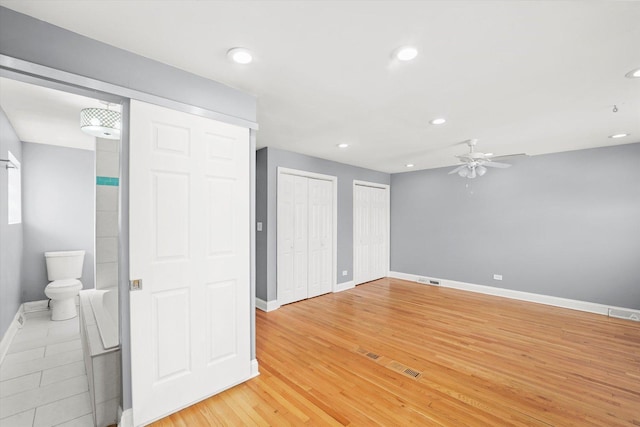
column 189, row 243
column 305, row 236
column 370, row 232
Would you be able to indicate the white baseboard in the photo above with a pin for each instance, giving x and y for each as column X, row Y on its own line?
column 33, row 306
column 126, row 420
column 344, row 286
column 7, row 338
column 267, row 305
column 254, row 368
column 590, row 307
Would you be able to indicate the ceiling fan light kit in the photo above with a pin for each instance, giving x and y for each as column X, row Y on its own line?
column 475, row 163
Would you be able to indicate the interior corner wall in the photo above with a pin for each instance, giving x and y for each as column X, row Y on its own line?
column 11, row 236
column 564, row 225
column 346, row 174
column 58, row 211
column 261, row 217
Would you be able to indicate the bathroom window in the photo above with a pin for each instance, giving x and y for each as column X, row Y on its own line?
column 14, row 190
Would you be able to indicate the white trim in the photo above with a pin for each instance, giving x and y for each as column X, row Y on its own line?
column 345, row 286
column 8, row 336
column 387, row 189
column 334, row 184
column 254, row 368
column 266, row 305
column 126, row 420
column 590, row 307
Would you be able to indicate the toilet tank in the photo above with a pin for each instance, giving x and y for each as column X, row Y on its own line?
column 64, row 264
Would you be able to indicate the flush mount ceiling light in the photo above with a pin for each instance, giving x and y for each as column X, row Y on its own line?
column 240, row 55
column 343, row 145
column 405, row 53
column 100, row 122
column 438, row 121
column 633, row 74
column 618, row 135
column 409, row 165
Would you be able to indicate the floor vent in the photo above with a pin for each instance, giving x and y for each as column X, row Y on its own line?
column 624, row 314
column 411, row 372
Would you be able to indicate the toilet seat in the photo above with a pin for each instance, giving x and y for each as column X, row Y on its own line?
column 64, row 283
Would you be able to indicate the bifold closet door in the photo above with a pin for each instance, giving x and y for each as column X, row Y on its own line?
column 305, row 237
column 293, row 242
column 320, row 237
column 370, row 233
column 190, row 248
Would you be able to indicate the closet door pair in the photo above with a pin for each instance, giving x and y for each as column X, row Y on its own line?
column 305, row 237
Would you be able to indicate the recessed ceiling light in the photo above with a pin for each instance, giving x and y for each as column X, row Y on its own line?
column 343, row 145
column 438, row 121
column 619, row 135
column 633, row 74
column 240, row 55
column 406, row 53
column 409, row 165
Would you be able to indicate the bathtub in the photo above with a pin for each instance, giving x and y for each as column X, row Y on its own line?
column 104, row 303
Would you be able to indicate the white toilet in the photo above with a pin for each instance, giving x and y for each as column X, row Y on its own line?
column 64, row 269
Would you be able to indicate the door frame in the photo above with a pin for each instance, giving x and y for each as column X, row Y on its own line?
column 53, row 78
column 387, row 189
column 334, row 219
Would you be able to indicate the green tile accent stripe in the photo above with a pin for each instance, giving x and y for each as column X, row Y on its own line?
column 105, row 180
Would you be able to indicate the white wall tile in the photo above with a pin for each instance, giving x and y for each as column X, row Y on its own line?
column 111, row 145
column 106, row 224
column 107, row 164
column 106, row 275
column 107, row 413
column 106, row 371
column 106, row 198
column 106, row 249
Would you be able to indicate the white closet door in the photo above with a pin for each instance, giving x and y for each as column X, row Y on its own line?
column 370, row 222
column 300, row 238
column 285, row 240
column 320, row 236
column 189, row 243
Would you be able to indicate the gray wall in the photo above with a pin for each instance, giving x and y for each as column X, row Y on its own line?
column 58, row 211
column 31, row 40
column 10, row 235
column 564, row 225
column 346, row 174
column 36, row 41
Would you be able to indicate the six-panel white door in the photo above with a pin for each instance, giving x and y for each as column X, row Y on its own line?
column 370, row 237
column 304, row 237
column 189, row 243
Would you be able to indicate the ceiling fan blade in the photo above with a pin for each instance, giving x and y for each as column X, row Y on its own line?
column 509, row 155
column 493, row 164
column 457, row 169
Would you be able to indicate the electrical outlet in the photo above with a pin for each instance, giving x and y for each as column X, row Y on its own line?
column 497, row 277
column 345, row 272
column 259, row 226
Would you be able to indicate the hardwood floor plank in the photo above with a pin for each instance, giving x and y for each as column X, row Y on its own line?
column 339, row 359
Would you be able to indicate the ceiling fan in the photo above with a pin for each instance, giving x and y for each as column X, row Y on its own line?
column 474, row 163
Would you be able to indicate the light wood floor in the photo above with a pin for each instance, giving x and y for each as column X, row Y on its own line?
column 470, row 359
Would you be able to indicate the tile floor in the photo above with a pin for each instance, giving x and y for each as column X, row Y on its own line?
column 43, row 381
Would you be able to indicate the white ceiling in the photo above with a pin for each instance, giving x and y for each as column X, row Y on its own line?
column 46, row 116
column 522, row 76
